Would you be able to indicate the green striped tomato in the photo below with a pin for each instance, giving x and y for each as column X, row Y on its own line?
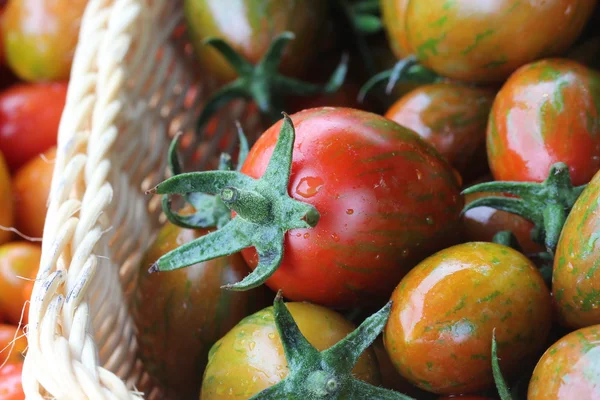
column 387, row 200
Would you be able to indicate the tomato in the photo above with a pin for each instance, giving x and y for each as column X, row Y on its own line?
column 386, row 199
column 31, row 186
column 548, row 111
column 11, row 352
column 19, row 261
column 181, row 314
column 575, row 277
column 10, row 382
column 40, row 37
column 7, row 215
column 249, row 26
column 475, row 41
column 250, row 357
column 439, row 333
column 569, row 369
column 452, row 118
column 480, row 224
column 29, row 118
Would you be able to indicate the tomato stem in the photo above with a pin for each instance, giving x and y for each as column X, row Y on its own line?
column 262, row 82
column 546, row 204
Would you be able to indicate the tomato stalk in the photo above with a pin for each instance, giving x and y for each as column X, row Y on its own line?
column 264, row 213
column 262, row 82
column 325, row 375
column 546, row 204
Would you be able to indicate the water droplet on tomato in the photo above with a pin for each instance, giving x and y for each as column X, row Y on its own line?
column 309, row 186
column 335, row 237
column 429, row 220
column 405, row 253
column 271, row 335
column 419, row 174
column 298, row 234
column 349, row 211
column 306, row 235
column 251, row 345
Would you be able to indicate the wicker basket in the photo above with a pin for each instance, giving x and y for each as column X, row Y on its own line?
column 133, row 86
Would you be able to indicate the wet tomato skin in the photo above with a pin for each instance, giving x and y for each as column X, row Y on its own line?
column 250, row 357
column 569, row 368
column 548, row 111
column 452, row 118
column 575, row 276
column 180, row 314
column 476, row 41
column 444, row 312
column 386, row 199
column 11, row 387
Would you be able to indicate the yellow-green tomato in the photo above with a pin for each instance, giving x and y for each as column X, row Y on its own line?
column 250, row 358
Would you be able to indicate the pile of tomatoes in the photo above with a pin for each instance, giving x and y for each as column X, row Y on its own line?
column 352, row 207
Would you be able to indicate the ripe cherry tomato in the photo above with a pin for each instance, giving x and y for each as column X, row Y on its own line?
column 547, row 112
column 40, row 37
column 10, row 382
column 11, row 352
column 452, row 118
column 29, row 118
column 482, row 41
column 386, row 199
column 7, row 216
column 31, row 185
column 18, row 260
column 480, row 224
column 250, row 357
column 181, row 314
column 569, row 369
column 575, row 277
column 249, row 26
column 439, row 334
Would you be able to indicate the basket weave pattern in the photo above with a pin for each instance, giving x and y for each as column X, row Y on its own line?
column 129, row 93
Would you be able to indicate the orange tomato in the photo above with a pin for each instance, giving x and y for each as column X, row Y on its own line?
column 6, row 202
column 31, row 186
column 10, row 382
column 19, row 261
column 11, row 352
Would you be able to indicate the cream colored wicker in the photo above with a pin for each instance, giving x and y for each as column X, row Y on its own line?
column 129, row 91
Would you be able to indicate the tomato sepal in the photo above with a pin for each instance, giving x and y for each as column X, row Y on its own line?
column 501, row 385
column 546, row 204
column 328, row 374
column 264, row 213
column 262, row 82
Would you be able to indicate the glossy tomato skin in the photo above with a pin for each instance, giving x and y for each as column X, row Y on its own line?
column 475, row 41
column 250, row 357
column 40, row 37
column 19, row 261
column 181, row 314
column 569, row 368
column 29, row 118
column 575, row 277
column 547, row 111
column 249, row 26
column 31, row 186
column 10, row 382
column 7, row 214
column 386, row 199
column 452, row 118
column 444, row 311
column 12, row 352
column 481, row 224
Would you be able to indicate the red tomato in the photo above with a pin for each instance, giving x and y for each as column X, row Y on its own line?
column 10, row 382
column 386, row 199
column 439, row 334
column 12, row 352
column 31, row 185
column 548, row 111
column 570, row 368
column 18, row 260
column 29, row 118
column 7, row 215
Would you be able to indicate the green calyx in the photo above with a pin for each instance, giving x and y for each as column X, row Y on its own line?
column 262, row 82
column 501, row 385
column 264, row 213
column 546, row 204
column 210, row 211
column 405, row 70
column 325, row 375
